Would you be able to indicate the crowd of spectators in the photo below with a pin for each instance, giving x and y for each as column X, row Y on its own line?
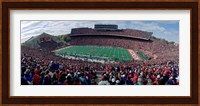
column 125, row 32
column 135, row 74
column 44, row 68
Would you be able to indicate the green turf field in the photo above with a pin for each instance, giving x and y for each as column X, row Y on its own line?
column 109, row 53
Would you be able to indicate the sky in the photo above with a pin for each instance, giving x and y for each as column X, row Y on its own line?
column 165, row 29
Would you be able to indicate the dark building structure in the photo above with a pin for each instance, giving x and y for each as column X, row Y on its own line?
column 105, row 27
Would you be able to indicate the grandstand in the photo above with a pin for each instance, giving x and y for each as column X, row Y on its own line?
column 111, row 30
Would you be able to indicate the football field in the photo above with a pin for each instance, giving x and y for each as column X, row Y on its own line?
column 101, row 52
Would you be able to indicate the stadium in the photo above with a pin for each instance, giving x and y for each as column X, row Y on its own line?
column 103, row 55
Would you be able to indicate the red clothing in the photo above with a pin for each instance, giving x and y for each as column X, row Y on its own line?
column 91, row 76
column 36, row 71
column 130, row 76
column 153, row 77
column 77, row 83
column 36, row 79
column 135, row 77
column 155, row 82
column 65, row 83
